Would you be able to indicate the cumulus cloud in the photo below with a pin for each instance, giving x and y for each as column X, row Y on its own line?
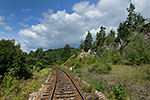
column 60, row 28
column 6, row 27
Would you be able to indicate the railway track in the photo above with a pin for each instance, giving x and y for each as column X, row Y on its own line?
column 62, row 88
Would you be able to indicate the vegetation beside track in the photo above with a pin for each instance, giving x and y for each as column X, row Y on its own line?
column 12, row 88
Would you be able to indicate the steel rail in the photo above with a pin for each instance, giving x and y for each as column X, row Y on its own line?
column 51, row 97
column 75, row 86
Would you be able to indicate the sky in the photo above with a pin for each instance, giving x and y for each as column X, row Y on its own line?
column 51, row 24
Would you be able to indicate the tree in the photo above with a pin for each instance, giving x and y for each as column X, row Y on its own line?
column 131, row 16
column 81, row 44
column 122, row 32
column 138, row 50
column 112, row 33
column 110, row 37
column 88, row 42
column 134, row 20
column 12, row 58
column 66, row 51
column 100, row 37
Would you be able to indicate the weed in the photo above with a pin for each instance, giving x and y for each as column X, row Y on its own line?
column 78, row 71
column 87, row 88
column 99, row 85
column 62, row 90
column 119, row 91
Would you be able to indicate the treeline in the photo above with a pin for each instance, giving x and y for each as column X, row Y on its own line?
column 51, row 56
column 131, row 44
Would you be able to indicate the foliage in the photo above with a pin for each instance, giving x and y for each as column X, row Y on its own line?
column 14, row 89
column 44, row 71
column 77, row 65
column 119, row 91
column 51, row 56
column 111, row 55
column 88, row 42
column 78, row 71
column 99, row 85
column 110, row 37
column 66, row 51
column 137, row 52
column 148, row 73
column 12, row 58
column 100, row 37
column 100, row 68
column 133, row 21
column 117, row 59
column 87, row 88
column 81, row 45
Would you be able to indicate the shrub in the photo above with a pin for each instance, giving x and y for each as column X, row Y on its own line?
column 30, row 66
column 39, row 64
column 77, row 65
column 119, row 91
column 99, row 85
column 117, row 59
column 45, row 71
column 37, row 68
column 100, row 68
column 78, row 71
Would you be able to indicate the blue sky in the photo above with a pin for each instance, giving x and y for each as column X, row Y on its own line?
column 55, row 23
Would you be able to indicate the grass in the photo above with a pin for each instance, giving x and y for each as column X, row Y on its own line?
column 133, row 78
column 20, row 89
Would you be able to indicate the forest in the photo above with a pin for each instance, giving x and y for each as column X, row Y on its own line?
column 130, row 46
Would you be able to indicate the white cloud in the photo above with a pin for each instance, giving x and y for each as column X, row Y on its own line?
column 26, row 10
column 6, row 27
column 142, row 6
column 26, row 19
column 60, row 28
column 23, row 25
column 30, row 17
column 11, row 16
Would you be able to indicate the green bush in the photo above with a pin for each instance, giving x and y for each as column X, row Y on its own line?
column 37, row 68
column 30, row 66
column 119, row 91
column 44, row 71
column 39, row 64
column 100, row 68
column 78, row 65
column 99, row 85
column 117, row 59
column 78, row 71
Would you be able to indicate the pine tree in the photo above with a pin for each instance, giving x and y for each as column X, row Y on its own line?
column 133, row 21
column 100, row 37
column 81, row 44
column 110, row 37
column 88, row 42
